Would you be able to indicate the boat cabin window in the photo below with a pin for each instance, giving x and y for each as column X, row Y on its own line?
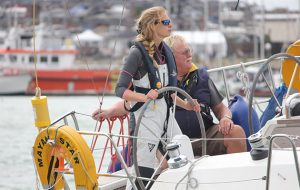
column 54, row 59
column 44, row 59
column 31, row 59
column 13, row 58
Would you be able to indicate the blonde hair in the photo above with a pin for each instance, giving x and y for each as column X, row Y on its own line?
column 146, row 28
column 171, row 40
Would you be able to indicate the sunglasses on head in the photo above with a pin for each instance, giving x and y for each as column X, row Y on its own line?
column 166, row 22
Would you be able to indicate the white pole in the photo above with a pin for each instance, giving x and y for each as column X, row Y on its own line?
column 262, row 35
column 205, row 30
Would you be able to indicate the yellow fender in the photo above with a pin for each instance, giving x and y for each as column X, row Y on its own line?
column 75, row 150
column 288, row 67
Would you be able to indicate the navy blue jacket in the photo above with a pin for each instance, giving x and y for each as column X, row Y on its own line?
column 199, row 86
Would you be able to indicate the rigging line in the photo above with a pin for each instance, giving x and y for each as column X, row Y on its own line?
column 110, row 61
column 106, row 148
column 113, row 52
column 85, row 169
column 83, row 57
column 237, row 4
column 158, row 168
column 189, row 170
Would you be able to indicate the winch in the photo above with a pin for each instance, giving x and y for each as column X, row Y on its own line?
column 176, row 160
column 257, row 143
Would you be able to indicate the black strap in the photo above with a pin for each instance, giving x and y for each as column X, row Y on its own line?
column 53, row 159
column 205, row 108
column 169, row 102
column 50, row 169
column 166, row 123
column 152, row 71
column 136, row 106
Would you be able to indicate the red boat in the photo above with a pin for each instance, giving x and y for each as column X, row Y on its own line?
column 72, row 81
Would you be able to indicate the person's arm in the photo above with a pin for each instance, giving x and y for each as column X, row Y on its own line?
column 139, row 97
column 220, row 110
column 130, row 68
column 115, row 110
column 224, row 115
column 185, row 104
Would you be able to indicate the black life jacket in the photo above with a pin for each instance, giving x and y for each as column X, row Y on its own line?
column 153, row 73
column 196, row 85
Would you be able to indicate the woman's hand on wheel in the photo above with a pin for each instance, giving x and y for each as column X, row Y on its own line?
column 152, row 94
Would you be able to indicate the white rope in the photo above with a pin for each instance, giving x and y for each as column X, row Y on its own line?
column 84, row 169
column 244, row 78
column 37, row 179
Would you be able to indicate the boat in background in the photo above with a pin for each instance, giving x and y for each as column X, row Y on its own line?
column 72, row 81
column 12, row 81
column 54, row 60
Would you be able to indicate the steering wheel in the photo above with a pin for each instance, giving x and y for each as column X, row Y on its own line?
column 286, row 75
column 160, row 91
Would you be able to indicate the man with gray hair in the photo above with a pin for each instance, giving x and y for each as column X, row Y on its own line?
column 196, row 82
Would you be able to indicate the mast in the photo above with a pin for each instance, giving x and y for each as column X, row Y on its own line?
column 262, row 34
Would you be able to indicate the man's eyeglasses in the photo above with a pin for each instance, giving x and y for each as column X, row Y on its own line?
column 187, row 51
column 166, row 22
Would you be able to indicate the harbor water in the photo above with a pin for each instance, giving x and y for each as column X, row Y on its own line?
column 17, row 133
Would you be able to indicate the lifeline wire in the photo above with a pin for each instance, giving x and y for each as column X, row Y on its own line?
column 208, row 183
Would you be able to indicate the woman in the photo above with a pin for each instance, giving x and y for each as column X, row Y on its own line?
column 149, row 66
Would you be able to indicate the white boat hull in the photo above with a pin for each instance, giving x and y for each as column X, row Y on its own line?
column 234, row 172
column 14, row 84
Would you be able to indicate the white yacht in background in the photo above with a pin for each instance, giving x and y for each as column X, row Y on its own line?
column 17, row 57
column 13, row 81
column 53, row 57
